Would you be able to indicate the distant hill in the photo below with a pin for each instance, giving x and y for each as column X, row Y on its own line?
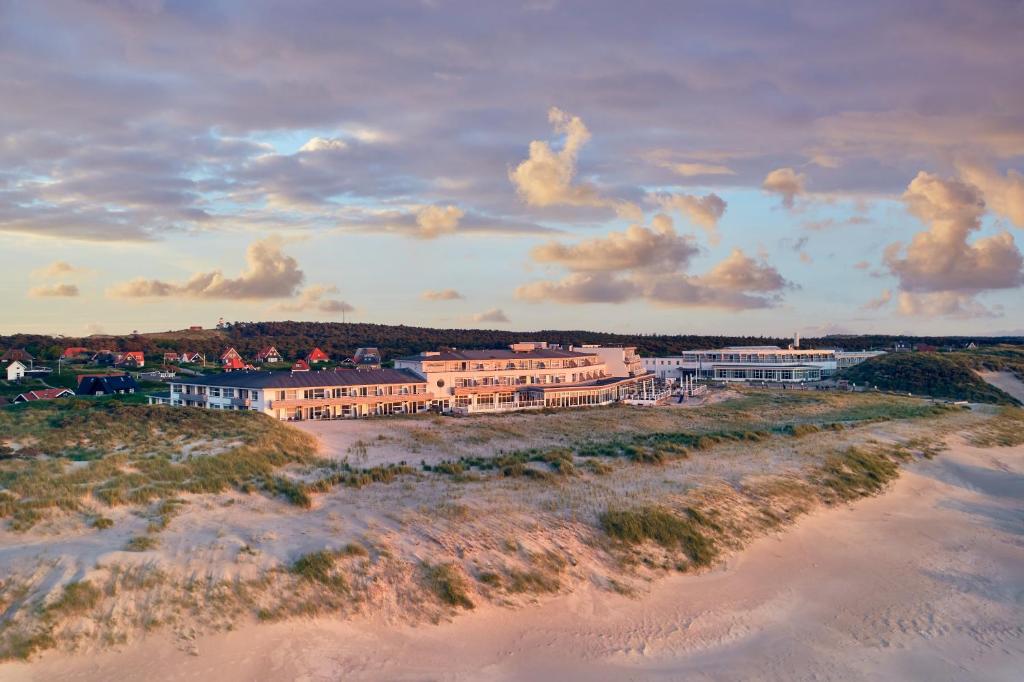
column 341, row 340
column 933, row 374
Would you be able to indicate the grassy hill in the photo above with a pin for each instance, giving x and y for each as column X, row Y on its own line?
column 932, row 374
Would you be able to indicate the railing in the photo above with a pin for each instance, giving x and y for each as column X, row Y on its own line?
column 241, row 402
column 511, row 407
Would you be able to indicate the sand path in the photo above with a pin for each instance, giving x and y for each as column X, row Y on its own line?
column 1006, row 381
column 925, row 582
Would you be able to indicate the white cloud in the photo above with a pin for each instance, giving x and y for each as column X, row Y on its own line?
column 315, row 298
column 691, row 169
column 434, row 221
column 1004, row 194
column 324, row 144
column 54, row 291
column 495, row 315
column 441, row 295
column 269, row 274
column 705, row 211
column 787, row 183
column 880, row 302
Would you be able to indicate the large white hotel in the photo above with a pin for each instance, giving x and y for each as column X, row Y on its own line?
column 521, row 377
column 756, row 364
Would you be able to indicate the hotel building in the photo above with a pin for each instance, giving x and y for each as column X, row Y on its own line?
column 530, row 375
column 755, row 363
column 328, row 394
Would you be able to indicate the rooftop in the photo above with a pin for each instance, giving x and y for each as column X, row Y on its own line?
column 500, row 354
column 340, row 377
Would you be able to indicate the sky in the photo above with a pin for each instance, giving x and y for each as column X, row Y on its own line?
column 645, row 167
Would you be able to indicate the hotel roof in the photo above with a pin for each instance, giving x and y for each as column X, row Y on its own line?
column 341, row 377
column 500, row 354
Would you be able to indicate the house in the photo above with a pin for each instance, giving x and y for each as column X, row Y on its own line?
column 19, row 354
column 972, row 346
column 316, row 355
column 193, row 358
column 300, row 366
column 104, row 357
column 268, row 354
column 170, row 358
column 15, row 371
column 196, row 328
column 925, row 348
column 75, row 353
column 235, row 363
column 43, row 394
column 132, row 358
column 229, row 356
column 366, row 358
column 106, row 384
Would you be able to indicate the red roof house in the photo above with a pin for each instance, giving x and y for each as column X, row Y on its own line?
column 75, row 352
column 317, row 355
column 300, row 366
column 44, row 394
column 132, row 358
column 234, row 363
column 268, row 354
column 192, row 357
column 229, row 356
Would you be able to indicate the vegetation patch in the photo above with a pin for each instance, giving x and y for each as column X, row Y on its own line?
column 319, row 567
column 659, row 525
column 856, row 473
column 77, row 598
column 447, row 582
column 939, row 375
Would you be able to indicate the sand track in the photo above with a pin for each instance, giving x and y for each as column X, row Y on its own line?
column 925, row 582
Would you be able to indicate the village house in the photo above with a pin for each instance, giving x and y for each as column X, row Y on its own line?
column 43, row 394
column 106, row 384
column 170, row 358
column 131, row 358
column 529, row 375
column 17, row 354
column 326, row 394
column 366, row 358
column 16, row 371
column 192, row 358
column 316, row 355
column 231, row 357
column 300, row 365
column 75, row 353
column 268, row 354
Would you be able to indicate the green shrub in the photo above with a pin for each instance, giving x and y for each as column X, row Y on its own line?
column 447, row 582
column 634, row 526
column 77, row 597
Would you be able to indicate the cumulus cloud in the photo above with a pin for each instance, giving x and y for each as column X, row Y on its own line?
column 269, row 273
column 58, row 268
column 650, row 263
column 441, row 295
column 880, row 302
column 940, row 258
column 496, row 315
column 317, row 298
column 658, row 247
column 324, row 144
column 434, row 221
column 546, row 177
column 705, row 211
column 787, row 183
column 942, row 304
column 54, row 291
column 1004, row 194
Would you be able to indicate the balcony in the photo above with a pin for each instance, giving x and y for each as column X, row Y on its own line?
column 241, row 402
column 492, row 408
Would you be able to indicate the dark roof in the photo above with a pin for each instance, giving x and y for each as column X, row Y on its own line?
column 500, row 354
column 16, row 354
column 108, row 384
column 340, row 377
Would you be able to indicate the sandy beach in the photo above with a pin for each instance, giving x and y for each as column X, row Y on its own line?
column 924, row 582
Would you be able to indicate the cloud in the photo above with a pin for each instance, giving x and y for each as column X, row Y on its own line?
column 705, row 211
column 943, row 304
column 269, row 273
column 495, row 315
column 434, row 221
column 787, row 183
column 940, row 259
column 739, row 272
column 546, row 177
column 880, row 302
column 324, row 144
column 441, row 295
column 54, row 291
column 315, row 298
column 580, row 287
column 655, row 248
column 1003, row 194
column 58, row 268
column 861, row 265
column 692, row 169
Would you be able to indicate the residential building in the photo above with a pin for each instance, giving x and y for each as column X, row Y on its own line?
column 106, row 384
column 75, row 353
column 523, row 376
column 325, row 394
column 268, row 354
column 43, row 394
column 170, row 358
column 231, row 356
column 316, row 355
column 131, row 358
column 16, row 370
column 621, row 361
column 300, row 365
column 19, row 354
column 755, row 363
column 366, row 358
column 192, row 358
column 234, row 363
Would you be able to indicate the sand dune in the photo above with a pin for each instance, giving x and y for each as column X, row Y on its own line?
column 925, row 582
column 1006, row 381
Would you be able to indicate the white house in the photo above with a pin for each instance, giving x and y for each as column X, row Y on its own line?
column 15, row 371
